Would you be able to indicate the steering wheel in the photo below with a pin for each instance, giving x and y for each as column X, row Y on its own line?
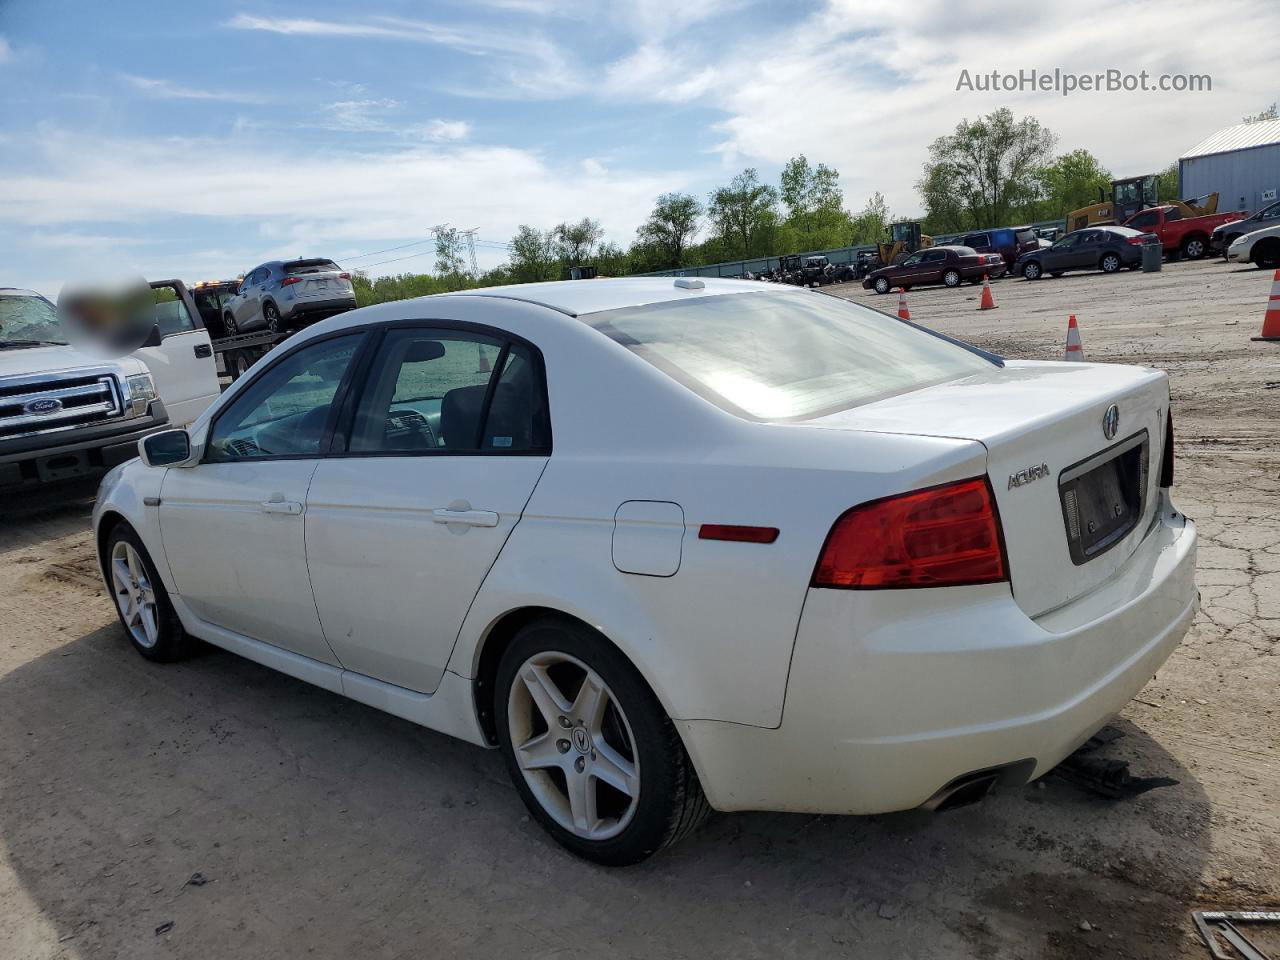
column 409, row 430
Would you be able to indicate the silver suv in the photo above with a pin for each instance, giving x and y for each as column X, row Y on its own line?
column 283, row 295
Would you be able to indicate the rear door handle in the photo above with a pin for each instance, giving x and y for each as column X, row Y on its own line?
column 291, row 507
column 203, row 350
column 472, row 518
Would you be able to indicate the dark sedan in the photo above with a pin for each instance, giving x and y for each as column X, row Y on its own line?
column 1096, row 248
column 950, row 266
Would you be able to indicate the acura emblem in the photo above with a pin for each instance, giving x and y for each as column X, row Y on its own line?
column 1111, row 422
column 42, row 406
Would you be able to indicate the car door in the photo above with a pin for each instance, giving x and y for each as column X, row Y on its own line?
column 906, row 272
column 1088, row 251
column 248, row 308
column 445, row 445
column 232, row 525
column 932, row 263
column 182, row 365
column 1058, row 257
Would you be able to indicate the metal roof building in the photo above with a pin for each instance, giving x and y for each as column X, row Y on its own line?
column 1241, row 162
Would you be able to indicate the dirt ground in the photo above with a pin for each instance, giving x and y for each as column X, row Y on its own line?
column 319, row 827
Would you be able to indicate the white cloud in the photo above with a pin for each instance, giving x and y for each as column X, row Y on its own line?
column 368, row 196
column 446, row 131
column 359, row 115
column 165, row 90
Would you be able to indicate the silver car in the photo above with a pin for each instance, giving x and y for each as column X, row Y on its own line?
column 284, row 295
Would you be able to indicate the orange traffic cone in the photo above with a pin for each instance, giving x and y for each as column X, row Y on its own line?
column 1075, row 349
column 1271, row 320
column 903, row 312
column 484, row 361
column 988, row 301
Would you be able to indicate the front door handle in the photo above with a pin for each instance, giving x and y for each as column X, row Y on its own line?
column 291, row 507
column 203, row 350
column 472, row 518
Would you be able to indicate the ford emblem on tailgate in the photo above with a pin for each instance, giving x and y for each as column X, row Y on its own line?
column 1111, row 422
column 42, row 406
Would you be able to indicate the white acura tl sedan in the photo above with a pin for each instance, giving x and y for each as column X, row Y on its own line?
column 675, row 545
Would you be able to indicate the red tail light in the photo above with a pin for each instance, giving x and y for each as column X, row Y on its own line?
column 1136, row 241
column 290, row 281
column 941, row 537
column 344, row 276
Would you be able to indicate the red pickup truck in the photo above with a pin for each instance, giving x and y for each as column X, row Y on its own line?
column 1188, row 236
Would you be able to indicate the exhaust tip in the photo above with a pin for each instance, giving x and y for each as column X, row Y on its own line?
column 971, row 787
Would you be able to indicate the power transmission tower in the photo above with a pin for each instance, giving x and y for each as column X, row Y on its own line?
column 471, row 248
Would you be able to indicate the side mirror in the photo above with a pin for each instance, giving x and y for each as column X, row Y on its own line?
column 154, row 339
column 168, row 448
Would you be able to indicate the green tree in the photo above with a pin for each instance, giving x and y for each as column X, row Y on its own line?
column 983, row 171
column 671, row 227
column 449, row 262
column 1070, row 182
column 871, row 225
column 814, row 202
column 575, row 242
column 744, row 214
column 1167, row 184
column 533, row 255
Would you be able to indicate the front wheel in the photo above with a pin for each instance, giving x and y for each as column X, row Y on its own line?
column 1267, row 255
column 229, row 325
column 142, row 603
column 589, row 748
column 951, row 278
column 1031, row 270
column 1110, row 263
column 882, row 285
column 1194, row 248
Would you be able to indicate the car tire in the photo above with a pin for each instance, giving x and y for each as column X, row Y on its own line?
column 240, row 364
column 1194, row 248
column 271, row 317
column 951, row 278
column 141, row 600
column 1031, row 270
column 1109, row 263
column 1267, row 254
column 881, row 285
column 229, row 323
column 574, row 718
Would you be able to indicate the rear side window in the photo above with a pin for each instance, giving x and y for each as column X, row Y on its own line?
column 976, row 240
column 1172, row 214
column 778, row 356
column 935, row 256
column 1025, row 236
column 1148, row 219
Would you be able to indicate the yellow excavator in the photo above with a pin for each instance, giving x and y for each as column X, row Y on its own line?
column 905, row 238
column 1131, row 195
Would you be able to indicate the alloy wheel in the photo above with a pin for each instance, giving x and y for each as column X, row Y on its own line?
column 135, row 597
column 1110, row 263
column 574, row 745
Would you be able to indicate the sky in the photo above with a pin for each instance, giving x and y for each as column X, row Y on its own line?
column 198, row 139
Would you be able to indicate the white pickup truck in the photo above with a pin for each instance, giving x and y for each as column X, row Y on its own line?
column 65, row 413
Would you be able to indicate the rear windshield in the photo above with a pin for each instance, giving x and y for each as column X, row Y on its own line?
column 780, row 356
column 310, row 266
column 1026, row 235
column 1002, row 238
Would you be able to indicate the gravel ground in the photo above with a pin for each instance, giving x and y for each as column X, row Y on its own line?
column 319, row 827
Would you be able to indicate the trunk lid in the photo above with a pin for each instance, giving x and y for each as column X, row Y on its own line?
column 1074, row 504
column 317, row 279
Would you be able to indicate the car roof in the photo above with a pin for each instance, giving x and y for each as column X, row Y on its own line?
column 580, row 297
column 20, row 292
column 1116, row 228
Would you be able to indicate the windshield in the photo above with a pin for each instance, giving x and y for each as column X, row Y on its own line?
column 28, row 316
column 778, row 356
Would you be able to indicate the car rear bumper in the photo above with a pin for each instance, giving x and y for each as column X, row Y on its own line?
column 316, row 309
column 893, row 695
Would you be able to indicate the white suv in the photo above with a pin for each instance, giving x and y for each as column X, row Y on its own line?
column 282, row 295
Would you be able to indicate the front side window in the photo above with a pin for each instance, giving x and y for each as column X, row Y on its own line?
column 172, row 315
column 1148, row 219
column 777, row 356
column 935, row 256
column 442, row 391
column 285, row 411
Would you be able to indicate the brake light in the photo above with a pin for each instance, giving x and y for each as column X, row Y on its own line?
column 344, row 276
column 1136, row 241
column 289, row 281
column 941, row 537
column 1166, row 462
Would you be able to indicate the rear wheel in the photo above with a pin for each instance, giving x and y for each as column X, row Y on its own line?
column 1109, row 263
column 142, row 602
column 1031, row 270
column 951, row 278
column 229, row 322
column 882, row 284
column 271, row 316
column 589, row 748
column 240, row 364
